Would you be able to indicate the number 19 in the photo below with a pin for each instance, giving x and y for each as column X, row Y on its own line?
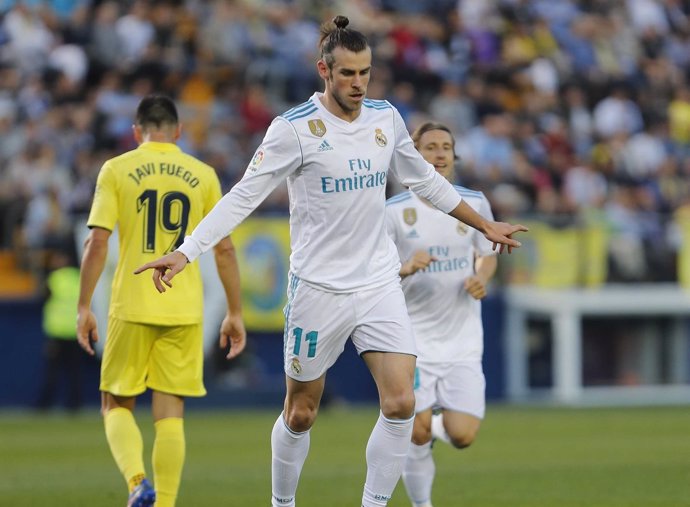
column 174, row 217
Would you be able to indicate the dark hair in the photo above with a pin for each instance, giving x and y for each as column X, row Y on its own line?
column 156, row 111
column 427, row 127
column 336, row 34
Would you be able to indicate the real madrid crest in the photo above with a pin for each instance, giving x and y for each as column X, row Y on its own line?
column 317, row 127
column 295, row 366
column 462, row 228
column 380, row 138
column 410, row 216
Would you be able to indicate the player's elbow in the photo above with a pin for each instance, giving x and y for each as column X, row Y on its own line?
column 96, row 241
column 224, row 249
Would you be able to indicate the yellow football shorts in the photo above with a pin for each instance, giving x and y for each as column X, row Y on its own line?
column 137, row 356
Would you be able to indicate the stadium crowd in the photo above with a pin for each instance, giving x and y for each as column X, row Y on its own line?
column 570, row 111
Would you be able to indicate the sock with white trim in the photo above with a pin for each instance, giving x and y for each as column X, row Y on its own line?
column 438, row 431
column 386, row 454
column 418, row 474
column 289, row 450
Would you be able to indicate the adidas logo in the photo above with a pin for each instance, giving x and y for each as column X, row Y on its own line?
column 324, row 146
column 412, row 234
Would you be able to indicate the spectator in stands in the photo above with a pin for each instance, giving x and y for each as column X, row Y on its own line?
column 63, row 356
column 584, row 46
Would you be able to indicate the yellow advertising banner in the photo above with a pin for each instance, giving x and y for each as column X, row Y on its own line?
column 683, row 262
column 263, row 254
column 557, row 262
column 560, row 257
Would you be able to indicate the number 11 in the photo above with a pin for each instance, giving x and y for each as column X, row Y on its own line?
column 310, row 338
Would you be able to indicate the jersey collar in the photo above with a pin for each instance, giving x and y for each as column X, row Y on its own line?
column 316, row 98
column 155, row 146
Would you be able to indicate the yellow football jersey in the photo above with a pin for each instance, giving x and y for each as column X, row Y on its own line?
column 155, row 195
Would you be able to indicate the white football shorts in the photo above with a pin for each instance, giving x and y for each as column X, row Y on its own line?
column 459, row 386
column 318, row 324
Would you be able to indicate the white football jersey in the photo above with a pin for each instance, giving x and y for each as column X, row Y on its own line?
column 446, row 319
column 336, row 175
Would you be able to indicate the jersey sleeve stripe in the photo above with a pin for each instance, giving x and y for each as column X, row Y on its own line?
column 467, row 191
column 377, row 102
column 302, row 114
column 377, row 106
column 298, row 108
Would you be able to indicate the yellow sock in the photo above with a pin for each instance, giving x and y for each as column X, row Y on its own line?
column 168, row 459
column 126, row 444
column 133, row 482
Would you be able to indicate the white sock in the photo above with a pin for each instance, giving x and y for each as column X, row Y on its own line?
column 418, row 474
column 386, row 454
column 289, row 450
column 437, row 430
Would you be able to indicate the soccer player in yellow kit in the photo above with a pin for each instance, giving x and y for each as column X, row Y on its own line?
column 155, row 195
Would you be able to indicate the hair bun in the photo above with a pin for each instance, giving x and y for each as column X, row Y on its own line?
column 341, row 21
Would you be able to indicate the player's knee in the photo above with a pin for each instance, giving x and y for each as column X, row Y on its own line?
column 462, row 439
column 421, row 436
column 110, row 401
column 300, row 419
column 398, row 406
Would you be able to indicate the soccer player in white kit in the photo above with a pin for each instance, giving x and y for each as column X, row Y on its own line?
column 446, row 267
column 336, row 151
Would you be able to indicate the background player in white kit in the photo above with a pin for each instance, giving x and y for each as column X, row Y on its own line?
column 446, row 267
column 336, row 150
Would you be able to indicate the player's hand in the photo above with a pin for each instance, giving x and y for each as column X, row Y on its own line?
column 419, row 260
column 500, row 234
column 87, row 330
column 475, row 287
column 233, row 335
column 165, row 269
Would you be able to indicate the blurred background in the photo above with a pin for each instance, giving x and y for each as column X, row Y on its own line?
column 572, row 116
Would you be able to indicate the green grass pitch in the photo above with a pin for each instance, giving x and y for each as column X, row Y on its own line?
column 524, row 456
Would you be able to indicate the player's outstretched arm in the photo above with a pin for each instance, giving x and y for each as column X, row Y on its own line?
column 164, row 269
column 499, row 233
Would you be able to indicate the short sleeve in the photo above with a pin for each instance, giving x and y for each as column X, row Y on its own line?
column 104, row 212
